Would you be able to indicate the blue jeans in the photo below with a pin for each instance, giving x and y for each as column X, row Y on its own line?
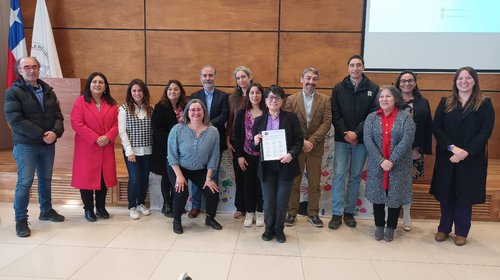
column 354, row 157
column 31, row 158
column 138, row 180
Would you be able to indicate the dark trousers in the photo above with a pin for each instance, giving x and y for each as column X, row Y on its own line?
column 454, row 213
column 252, row 191
column 239, row 199
column 100, row 197
column 198, row 202
column 166, row 191
column 138, row 180
column 392, row 216
column 276, row 193
column 198, row 178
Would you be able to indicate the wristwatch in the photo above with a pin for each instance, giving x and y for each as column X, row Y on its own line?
column 450, row 147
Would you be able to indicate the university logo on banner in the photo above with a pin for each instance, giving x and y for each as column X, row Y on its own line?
column 43, row 46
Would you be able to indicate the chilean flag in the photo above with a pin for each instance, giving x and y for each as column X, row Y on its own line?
column 17, row 43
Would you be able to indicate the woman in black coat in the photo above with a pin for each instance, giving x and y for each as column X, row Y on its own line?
column 276, row 176
column 166, row 114
column 422, row 145
column 462, row 125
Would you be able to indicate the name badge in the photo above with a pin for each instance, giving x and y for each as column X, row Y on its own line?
column 370, row 93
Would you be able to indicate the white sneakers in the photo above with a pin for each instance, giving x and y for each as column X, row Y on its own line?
column 250, row 217
column 259, row 221
column 134, row 215
column 134, row 211
column 144, row 211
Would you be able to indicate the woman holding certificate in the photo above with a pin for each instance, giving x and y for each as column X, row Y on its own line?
column 277, row 173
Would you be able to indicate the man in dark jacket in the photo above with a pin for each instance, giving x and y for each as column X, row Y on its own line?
column 352, row 100
column 33, row 113
column 217, row 103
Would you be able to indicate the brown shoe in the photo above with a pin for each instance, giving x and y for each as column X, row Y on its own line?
column 441, row 236
column 239, row 215
column 460, row 240
column 193, row 213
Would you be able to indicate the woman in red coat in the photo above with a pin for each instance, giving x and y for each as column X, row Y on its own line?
column 94, row 118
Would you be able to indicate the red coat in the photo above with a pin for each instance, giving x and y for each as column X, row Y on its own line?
column 89, row 159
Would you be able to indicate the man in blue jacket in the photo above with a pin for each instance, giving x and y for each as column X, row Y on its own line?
column 34, row 115
column 352, row 100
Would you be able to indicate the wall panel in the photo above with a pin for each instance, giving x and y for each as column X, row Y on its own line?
column 326, row 52
column 322, row 15
column 213, row 15
column 116, row 53
column 89, row 14
column 179, row 55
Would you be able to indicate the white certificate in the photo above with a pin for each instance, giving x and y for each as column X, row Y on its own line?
column 273, row 144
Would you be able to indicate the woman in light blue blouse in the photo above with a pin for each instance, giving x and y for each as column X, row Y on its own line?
column 193, row 154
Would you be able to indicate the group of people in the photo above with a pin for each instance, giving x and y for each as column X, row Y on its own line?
column 389, row 128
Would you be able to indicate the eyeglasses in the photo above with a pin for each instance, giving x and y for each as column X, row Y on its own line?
column 409, row 81
column 31, row 67
column 274, row 98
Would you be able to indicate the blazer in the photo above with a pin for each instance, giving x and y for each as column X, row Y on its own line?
column 162, row 121
column 469, row 130
column 294, row 142
column 321, row 119
column 219, row 112
column 91, row 161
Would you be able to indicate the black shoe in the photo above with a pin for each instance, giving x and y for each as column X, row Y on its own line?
column 166, row 210
column 22, row 229
column 178, row 227
column 90, row 215
column 280, row 237
column 51, row 215
column 315, row 221
column 335, row 222
column 102, row 213
column 349, row 220
column 268, row 235
column 290, row 220
column 210, row 221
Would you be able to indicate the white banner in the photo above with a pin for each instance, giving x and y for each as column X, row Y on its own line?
column 43, row 46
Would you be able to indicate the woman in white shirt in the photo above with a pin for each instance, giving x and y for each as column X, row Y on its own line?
column 134, row 128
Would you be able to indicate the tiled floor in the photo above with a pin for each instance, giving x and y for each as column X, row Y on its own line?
column 120, row 248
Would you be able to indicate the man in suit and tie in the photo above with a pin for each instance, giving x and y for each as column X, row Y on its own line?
column 315, row 117
column 217, row 103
